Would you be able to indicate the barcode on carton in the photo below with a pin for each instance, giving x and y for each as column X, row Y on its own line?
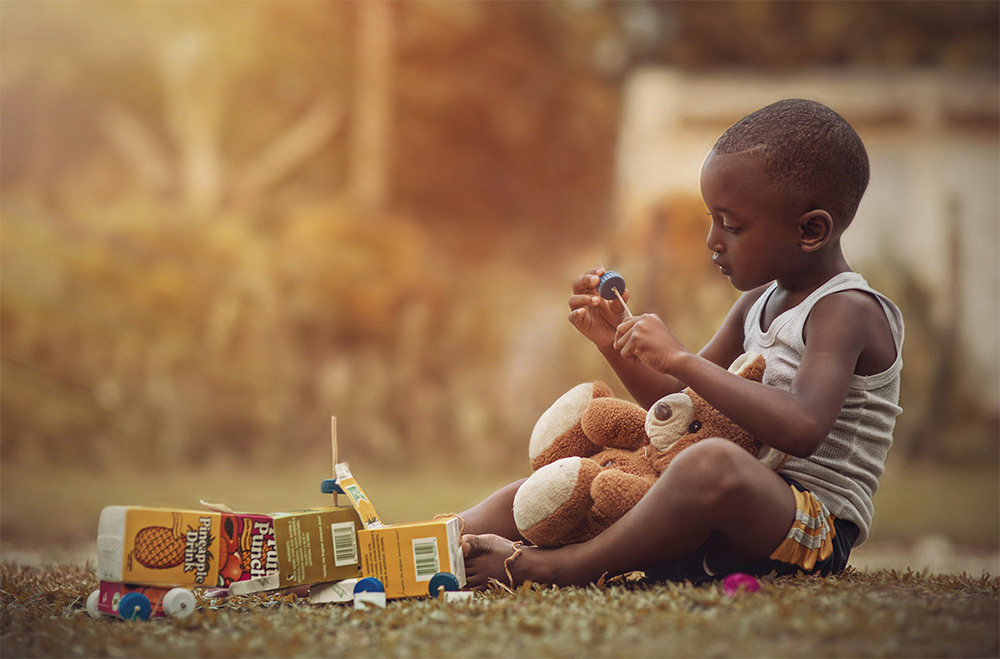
column 425, row 558
column 345, row 544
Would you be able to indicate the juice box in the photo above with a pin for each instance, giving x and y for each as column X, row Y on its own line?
column 111, row 594
column 248, row 548
column 404, row 557
column 317, row 545
column 158, row 546
column 360, row 501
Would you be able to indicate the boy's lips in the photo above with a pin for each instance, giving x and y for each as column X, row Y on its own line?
column 722, row 266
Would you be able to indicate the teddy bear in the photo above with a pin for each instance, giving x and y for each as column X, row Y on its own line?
column 594, row 456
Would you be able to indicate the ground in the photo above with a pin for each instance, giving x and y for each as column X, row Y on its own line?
column 905, row 594
column 882, row 614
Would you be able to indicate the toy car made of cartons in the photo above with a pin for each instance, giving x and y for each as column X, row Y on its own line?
column 150, row 558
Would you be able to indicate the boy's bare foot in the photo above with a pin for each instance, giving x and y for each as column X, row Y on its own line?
column 484, row 559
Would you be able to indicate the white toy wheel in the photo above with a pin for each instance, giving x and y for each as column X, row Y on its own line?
column 92, row 604
column 178, row 603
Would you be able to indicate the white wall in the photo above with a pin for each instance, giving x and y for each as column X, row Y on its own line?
column 921, row 157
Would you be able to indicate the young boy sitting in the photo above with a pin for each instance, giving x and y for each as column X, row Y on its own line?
column 781, row 186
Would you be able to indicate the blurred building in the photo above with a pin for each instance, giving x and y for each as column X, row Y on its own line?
column 933, row 204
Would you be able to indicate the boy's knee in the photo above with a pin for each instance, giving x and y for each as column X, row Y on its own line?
column 710, row 470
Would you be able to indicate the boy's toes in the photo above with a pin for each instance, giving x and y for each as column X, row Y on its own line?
column 484, row 558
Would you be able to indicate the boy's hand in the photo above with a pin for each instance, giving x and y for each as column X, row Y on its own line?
column 595, row 317
column 646, row 340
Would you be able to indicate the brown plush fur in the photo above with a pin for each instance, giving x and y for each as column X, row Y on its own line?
column 613, row 480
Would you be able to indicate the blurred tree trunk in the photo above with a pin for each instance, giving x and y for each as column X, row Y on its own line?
column 195, row 99
column 373, row 106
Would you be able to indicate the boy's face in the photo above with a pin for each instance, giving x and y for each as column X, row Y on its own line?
column 754, row 235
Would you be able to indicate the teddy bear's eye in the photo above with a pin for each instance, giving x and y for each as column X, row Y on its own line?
column 694, row 427
column 609, row 463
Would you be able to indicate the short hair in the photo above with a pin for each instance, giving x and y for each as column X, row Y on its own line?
column 808, row 149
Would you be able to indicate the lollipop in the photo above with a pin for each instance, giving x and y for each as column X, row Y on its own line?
column 610, row 287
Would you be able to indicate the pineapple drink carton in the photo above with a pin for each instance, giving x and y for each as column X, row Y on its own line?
column 158, row 546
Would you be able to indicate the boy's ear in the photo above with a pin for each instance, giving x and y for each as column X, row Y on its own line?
column 815, row 229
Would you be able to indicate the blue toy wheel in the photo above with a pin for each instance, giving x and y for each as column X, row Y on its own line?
column 329, row 486
column 134, row 606
column 445, row 580
column 369, row 585
column 610, row 281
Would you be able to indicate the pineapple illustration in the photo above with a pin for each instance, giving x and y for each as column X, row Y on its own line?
column 159, row 547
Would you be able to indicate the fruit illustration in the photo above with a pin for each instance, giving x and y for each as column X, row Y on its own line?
column 159, row 547
column 232, row 571
column 230, row 540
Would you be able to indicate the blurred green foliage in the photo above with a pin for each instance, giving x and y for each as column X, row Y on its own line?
column 186, row 274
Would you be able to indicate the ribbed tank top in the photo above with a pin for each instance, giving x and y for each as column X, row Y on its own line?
column 843, row 473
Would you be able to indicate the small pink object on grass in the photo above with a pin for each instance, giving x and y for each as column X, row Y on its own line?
column 732, row 583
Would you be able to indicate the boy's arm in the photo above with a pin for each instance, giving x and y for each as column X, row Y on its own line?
column 794, row 421
column 648, row 385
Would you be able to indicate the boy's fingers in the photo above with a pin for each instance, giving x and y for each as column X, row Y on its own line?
column 585, row 283
column 579, row 301
column 622, row 332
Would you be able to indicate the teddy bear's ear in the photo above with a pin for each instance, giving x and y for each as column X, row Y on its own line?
column 749, row 365
column 557, row 433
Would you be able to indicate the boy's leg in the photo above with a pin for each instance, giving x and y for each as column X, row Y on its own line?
column 494, row 514
column 713, row 489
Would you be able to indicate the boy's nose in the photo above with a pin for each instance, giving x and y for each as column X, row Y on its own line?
column 713, row 241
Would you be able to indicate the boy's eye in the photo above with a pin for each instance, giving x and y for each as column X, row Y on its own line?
column 729, row 229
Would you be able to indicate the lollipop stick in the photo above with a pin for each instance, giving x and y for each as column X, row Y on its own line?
column 619, row 296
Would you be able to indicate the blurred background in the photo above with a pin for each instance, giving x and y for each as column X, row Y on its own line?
column 223, row 223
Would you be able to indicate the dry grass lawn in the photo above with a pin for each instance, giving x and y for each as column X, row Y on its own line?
column 883, row 614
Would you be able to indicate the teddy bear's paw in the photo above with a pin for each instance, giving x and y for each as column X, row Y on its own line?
column 615, row 492
column 669, row 419
column 552, row 504
column 615, row 423
column 558, row 434
column 749, row 365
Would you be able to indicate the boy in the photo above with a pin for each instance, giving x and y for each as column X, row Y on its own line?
column 781, row 187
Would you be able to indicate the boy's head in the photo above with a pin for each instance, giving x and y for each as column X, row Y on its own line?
column 809, row 151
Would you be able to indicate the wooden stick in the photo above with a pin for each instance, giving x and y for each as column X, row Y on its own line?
column 619, row 295
column 333, row 446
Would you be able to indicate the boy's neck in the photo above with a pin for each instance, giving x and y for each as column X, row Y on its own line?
column 798, row 285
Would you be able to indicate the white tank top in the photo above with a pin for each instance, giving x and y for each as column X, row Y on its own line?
column 843, row 473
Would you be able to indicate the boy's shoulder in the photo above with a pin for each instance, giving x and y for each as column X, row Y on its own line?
column 858, row 317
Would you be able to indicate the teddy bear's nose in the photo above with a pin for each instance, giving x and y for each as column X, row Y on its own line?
column 662, row 411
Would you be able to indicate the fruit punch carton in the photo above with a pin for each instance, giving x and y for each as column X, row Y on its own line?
column 312, row 546
column 404, row 557
column 317, row 545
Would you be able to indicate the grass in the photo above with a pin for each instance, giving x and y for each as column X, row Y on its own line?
column 877, row 613
column 883, row 614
